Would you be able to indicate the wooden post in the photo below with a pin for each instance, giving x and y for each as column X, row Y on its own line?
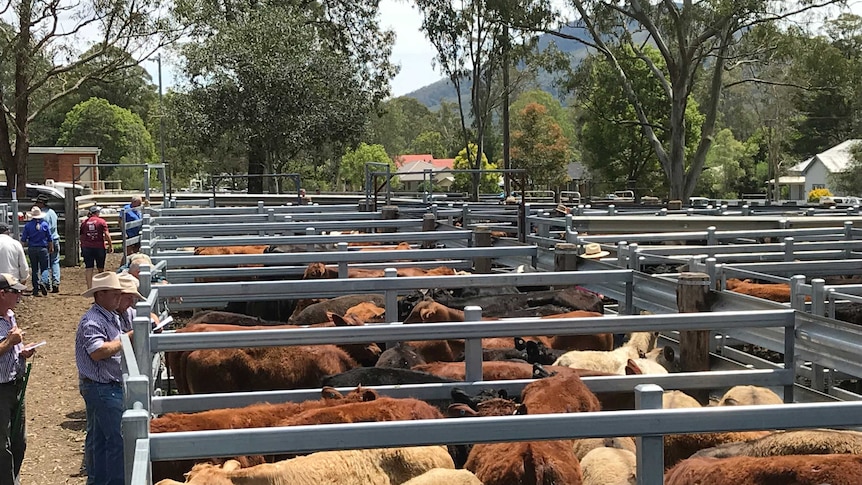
column 692, row 297
column 71, row 250
column 565, row 257
column 387, row 213
column 482, row 239
column 429, row 224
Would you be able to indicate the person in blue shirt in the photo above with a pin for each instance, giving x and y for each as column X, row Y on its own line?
column 37, row 237
column 54, row 255
column 132, row 212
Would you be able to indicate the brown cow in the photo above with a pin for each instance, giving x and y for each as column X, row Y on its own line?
column 308, row 312
column 531, row 462
column 778, row 292
column 381, row 409
column 562, row 393
column 429, row 311
column 225, row 250
column 364, row 354
column 491, row 370
column 790, row 469
column 254, row 416
column 321, row 271
column 263, row 368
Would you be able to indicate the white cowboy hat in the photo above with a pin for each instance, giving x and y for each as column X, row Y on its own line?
column 594, row 251
column 107, row 280
column 130, row 285
column 36, row 213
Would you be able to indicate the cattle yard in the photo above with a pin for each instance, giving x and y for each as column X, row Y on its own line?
column 494, row 243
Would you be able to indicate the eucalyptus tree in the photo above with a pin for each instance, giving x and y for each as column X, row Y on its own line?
column 694, row 39
column 474, row 47
column 48, row 49
column 285, row 78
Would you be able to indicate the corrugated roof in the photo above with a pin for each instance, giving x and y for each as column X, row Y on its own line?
column 836, row 159
column 402, row 160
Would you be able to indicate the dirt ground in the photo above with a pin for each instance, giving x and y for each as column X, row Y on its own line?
column 55, row 409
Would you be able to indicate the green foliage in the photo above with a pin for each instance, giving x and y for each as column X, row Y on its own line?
column 488, row 182
column 120, row 134
column 429, row 142
column 352, row 170
column 398, row 123
column 724, row 167
column 554, row 109
column 539, row 146
column 262, row 79
column 613, row 145
column 815, row 194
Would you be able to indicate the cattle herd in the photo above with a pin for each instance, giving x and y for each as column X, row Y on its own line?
column 556, row 362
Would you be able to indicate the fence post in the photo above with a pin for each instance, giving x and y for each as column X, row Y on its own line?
column 260, row 207
column 711, row 239
column 818, row 307
column 429, row 224
column 631, row 257
column 565, row 257
column 622, row 254
column 387, row 213
column 612, row 210
column 848, row 236
column 691, row 297
column 650, row 448
column 135, row 425
column 310, row 231
column 523, row 228
column 390, row 300
column 482, row 239
column 473, row 348
column 746, row 211
column 788, row 249
column 342, row 265
column 72, row 248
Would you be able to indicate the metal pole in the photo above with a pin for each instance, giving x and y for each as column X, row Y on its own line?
column 162, row 129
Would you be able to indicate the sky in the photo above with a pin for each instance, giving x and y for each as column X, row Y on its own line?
column 412, row 51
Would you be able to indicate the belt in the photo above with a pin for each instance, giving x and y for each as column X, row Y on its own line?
column 91, row 381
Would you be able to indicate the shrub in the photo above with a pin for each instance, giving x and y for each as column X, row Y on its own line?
column 816, row 194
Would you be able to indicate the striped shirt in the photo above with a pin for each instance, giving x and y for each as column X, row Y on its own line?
column 98, row 326
column 127, row 318
column 12, row 362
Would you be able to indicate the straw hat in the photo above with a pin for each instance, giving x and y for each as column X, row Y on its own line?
column 105, row 281
column 594, row 251
column 562, row 209
column 36, row 213
column 130, row 285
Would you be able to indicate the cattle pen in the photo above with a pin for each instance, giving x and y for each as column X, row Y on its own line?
column 804, row 331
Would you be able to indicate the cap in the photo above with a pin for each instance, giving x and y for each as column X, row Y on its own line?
column 94, row 209
column 41, row 198
column 8, row 281
column 4, row 228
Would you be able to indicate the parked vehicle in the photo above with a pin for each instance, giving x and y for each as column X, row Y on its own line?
column 839, row 201
column 56, row 198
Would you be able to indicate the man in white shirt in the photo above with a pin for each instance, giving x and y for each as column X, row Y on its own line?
column 12, row 258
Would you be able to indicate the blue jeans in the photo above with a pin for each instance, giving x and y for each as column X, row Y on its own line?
column 55, row 263
column 103, row 447
column 39, row 266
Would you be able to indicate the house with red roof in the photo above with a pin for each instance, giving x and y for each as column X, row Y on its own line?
column 414, row 169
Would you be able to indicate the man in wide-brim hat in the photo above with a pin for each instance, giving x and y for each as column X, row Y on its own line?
column 97, row 355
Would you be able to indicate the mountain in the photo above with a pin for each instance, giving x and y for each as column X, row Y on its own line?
column 435, row 93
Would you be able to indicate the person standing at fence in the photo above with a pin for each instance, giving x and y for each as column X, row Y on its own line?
column 97, row 356
column 12, row 258
column 13, row 431
column 37, row 237
column 95, row 242
column 54, row 256
column 132, row 213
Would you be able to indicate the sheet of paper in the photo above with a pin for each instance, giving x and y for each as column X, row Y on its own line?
column 164, row 322
column 33, row 346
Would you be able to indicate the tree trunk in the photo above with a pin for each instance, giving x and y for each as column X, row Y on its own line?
column 677, row 144
column 256, row 161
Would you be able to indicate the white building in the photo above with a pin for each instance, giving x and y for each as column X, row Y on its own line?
column 816, row 172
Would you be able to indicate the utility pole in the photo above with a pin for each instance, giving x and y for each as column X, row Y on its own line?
column 507, row 163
